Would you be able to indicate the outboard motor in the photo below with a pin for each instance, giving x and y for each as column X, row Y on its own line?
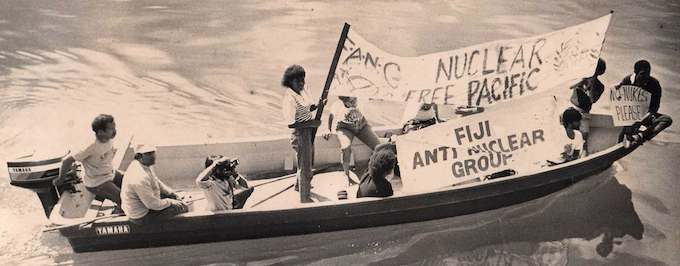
column 36, row 172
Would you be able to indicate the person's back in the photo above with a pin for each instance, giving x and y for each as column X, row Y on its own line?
column 373, row 182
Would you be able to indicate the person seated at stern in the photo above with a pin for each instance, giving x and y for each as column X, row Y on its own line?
column 373, row 182
column 97, row 158
column 145, row 199
column 224, row 189
column 653, row 120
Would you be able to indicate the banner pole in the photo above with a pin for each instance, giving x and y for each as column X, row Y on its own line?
column 331, row 71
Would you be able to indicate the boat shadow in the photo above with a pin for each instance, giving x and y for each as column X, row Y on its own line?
column 598, row 206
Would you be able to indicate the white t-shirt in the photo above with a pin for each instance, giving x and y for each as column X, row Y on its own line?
column 568, row 146
column 343, row 114
column 97, row 160
column 218, row 193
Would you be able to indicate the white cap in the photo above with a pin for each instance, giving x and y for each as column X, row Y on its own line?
column 144, row 148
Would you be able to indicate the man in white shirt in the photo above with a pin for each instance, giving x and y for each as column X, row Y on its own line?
column 100, row 178
column 145, row 199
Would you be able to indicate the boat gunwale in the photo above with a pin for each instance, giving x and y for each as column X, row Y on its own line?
column 368, row 203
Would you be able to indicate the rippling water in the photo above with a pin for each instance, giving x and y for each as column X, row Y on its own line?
column 177, row 71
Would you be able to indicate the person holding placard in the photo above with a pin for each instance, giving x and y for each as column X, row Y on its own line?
column 654, row 121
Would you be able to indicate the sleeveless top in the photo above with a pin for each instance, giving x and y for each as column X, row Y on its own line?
column 302, row 103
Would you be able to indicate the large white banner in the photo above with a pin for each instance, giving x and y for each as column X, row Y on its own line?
column 480, row 75
column 513, row 137
column 628, row 104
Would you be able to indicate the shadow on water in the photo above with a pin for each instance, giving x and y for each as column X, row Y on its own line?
column 536, row 231
column 533, row 233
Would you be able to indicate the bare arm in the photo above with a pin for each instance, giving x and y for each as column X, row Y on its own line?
column 327, row 135
column 66, row 165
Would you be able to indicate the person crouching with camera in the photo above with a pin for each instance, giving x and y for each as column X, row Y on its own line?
column 223, row 187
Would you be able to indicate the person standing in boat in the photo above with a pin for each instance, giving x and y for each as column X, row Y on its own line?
column 420, row 115
column 585, row 93
column 146, row 198
column 298, row 114
column 373, row 181
column 100, row 178
column 572, row 140
column 220, row 184
column 350, row 123
column 653, row 120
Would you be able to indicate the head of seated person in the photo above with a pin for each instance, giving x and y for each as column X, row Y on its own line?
column 373, row 182
column 381, row 164
column 571, row 118
column 224, row 170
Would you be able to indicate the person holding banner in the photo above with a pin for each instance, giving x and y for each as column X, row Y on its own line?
column 585, row 93
column 654, row 121
column 572, row 140
column 297, row 113
column 350, row 123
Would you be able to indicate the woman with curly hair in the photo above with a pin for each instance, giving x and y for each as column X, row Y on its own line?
column 373, row 182
column 297, row 113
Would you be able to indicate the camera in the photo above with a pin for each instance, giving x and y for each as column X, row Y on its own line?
column 228, row 164
column 232, row 163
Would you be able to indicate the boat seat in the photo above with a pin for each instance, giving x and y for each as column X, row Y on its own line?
column 78, row 203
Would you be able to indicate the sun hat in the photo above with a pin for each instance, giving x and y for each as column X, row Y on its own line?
column 144, row 148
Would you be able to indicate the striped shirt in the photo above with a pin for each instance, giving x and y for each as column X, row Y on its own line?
column 296, row 106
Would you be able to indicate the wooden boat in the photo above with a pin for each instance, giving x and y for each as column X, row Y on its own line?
column 89, row 224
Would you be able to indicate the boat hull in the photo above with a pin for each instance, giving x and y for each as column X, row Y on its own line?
column 340, row 215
